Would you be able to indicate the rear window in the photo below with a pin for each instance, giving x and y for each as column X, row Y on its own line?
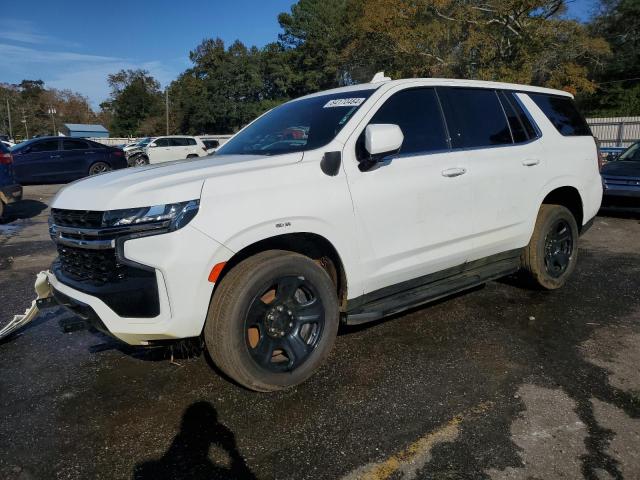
column 475, row 117
column 562, row 112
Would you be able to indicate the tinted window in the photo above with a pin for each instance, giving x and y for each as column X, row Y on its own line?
column 211, row 143
column 162, row 142
column 44, row 146
column 417, row 113
column 74, row 145
column 562, row 112
column 515, row 122
column 475, row 117
column 177, row 142
column 522, row 115
column 297, row 126
column 191, row 141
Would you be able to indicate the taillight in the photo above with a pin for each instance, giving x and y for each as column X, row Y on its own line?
column 6, row 159
column 601, row 161
column 118, row 153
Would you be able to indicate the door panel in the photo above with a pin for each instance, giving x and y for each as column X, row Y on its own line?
column 39, row 164
column 483, row 126
column 75, row 159
column 413, row 218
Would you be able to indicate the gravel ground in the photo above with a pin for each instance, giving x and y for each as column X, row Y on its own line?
column 500, row 382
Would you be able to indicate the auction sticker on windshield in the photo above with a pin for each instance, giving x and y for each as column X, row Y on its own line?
column 344, row 102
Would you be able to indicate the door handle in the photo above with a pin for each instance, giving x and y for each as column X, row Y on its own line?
column 454, row 172
column 530, row 162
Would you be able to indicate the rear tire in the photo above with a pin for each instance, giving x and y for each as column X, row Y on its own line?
column 272, row 320
column 99, row 167
column 552, row 254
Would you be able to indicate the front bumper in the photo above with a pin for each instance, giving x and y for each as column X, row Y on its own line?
column 181, row 262
column 11, row 193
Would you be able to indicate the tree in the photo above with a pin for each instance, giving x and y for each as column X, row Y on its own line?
column 618, row 79
column 135, row 98
column 524, row 41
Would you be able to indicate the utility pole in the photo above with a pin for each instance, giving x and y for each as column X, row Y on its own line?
column 52, row 111
column 9, row 117
column 166, row 107
column 24, row 120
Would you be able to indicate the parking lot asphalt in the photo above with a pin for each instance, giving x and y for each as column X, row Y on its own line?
column 501, row 382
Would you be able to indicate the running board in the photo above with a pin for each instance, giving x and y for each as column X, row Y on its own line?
column 434, row 287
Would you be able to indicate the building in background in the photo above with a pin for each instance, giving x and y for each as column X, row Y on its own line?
column 81, row 130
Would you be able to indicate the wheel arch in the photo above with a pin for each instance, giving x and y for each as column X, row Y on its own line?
column 311, row 245
column 569, row 197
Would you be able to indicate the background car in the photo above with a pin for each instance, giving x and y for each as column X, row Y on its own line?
column 621, row 179
column 10, row 191
column 62, row 159
column 7, row 143
column 167, row 149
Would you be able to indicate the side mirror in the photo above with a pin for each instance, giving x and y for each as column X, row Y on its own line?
column 152, row 145
column 382, row 139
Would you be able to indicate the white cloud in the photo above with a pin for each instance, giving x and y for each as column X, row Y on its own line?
column 23, row 31
column 80, row 72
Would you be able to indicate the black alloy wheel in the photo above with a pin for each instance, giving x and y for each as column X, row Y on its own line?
column 284, row 324
column 558, row 248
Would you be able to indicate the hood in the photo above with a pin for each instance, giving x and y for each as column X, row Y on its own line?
column 159, row 184
column 621, row 169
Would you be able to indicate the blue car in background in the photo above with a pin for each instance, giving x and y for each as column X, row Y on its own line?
column 10, row 191
column 63, row 159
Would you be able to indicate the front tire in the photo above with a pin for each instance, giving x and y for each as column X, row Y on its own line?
column 272, row 320
column 552, row 254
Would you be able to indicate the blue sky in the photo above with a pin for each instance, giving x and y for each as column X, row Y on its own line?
column 74, row 44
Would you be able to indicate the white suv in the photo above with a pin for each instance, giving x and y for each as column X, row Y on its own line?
column 170, row 148
column 342, row 206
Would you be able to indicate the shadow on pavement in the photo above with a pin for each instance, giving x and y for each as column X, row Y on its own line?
column 24, row 209
column 190, row 454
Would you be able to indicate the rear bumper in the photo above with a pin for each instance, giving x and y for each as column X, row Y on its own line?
column 11, row 193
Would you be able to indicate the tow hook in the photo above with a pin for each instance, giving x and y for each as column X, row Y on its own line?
column 43, row 300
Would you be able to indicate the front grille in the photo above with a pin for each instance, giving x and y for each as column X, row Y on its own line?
column 93, row 266
column 77, row 218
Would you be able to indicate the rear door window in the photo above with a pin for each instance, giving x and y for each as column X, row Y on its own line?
column 178, row 142
column 74, row 145
column 518, row 130
column 474, row 117
column 562, row 112
column 417, row 112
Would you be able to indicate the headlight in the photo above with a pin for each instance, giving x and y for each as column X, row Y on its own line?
column 173, row 215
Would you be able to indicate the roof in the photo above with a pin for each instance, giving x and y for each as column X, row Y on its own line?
column 85, row 127
column 444, row 82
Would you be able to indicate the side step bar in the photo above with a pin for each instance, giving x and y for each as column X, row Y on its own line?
column 436, row 286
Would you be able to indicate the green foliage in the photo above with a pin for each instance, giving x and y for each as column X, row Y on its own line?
column 135, row 103
column 329, row 43
column 618, row 79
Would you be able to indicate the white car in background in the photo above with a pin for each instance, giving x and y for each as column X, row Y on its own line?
column 174, row 147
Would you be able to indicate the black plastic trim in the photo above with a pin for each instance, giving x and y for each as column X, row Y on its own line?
column 399, row 297
column 135, row 296
column 330, row 163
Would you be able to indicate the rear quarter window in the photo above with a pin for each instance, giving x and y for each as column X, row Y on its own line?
column 562, row 113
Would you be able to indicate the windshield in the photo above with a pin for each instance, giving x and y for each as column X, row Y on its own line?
column 631, row 154
column 144, row 142
column 297, row 126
